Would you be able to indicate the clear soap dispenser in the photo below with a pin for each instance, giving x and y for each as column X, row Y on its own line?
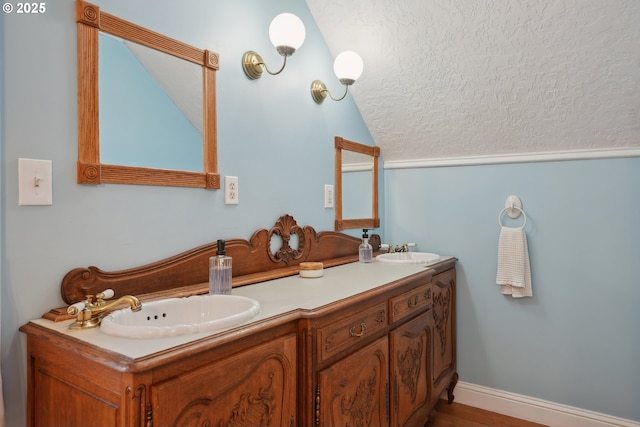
column 220, row 271
column 365, row 251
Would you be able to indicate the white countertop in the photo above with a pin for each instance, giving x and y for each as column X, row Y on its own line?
column 276, row 297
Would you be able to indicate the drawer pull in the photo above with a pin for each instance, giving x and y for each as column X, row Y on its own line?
column 413, row 301
column 353, row 333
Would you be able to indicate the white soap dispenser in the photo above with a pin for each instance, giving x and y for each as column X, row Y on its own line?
column 365, row 250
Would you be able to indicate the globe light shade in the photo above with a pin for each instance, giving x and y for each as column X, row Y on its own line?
column 348, row 67
column 287, row 30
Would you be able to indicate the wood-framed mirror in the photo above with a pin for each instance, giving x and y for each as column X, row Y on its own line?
column 91, row 23
column 356, row 185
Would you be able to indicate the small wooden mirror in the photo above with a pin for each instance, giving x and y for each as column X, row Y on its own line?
column 356, row 185
column 91, row 22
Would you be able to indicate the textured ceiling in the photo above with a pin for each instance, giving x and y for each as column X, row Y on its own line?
column 458, row 78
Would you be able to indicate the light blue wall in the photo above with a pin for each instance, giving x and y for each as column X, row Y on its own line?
column 271, row 135
column 576, row 342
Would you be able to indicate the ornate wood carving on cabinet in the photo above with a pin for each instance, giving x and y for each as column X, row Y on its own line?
column 441, row 306
column 411, row 365
column 354, row 391
column 256, row 387
column 444, row 344
column 253, row 261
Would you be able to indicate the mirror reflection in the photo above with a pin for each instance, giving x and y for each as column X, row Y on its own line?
column 150, row 107
column 356, row 185
column 357, row 169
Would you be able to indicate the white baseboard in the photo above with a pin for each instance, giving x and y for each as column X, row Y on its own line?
column 532, row 409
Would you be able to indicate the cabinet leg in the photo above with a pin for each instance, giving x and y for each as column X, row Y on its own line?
column 432, row 415
column 452, row 385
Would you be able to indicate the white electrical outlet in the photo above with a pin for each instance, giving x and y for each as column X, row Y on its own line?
column 35, row 185
column 230, row 190
column 328, row 196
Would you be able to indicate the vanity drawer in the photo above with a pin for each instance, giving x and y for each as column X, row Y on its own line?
column 410, row 302
column 340, row 335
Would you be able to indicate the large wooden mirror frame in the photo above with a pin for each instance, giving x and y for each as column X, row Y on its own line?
column 373, row 151
column 90, row 21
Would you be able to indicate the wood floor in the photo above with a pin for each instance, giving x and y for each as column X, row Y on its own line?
column 458, row 415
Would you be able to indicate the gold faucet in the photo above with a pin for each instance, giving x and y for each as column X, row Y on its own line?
column 399, row 248
column 90, row 313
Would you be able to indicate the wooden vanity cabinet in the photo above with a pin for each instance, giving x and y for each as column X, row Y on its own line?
column 381, row 357
column 64, row 390
column 249, row 382
column 374, row 367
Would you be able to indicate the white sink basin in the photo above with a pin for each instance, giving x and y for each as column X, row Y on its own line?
column 181, row 316
column 409, row 257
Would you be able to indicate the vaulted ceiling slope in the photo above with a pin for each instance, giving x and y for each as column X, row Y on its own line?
column 465, row 78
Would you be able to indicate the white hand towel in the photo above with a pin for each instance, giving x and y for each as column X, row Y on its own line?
column 514, row 271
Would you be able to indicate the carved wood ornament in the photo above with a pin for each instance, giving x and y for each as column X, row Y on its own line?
column 359, row 406
column 409, row 364
column 250, row 410
column 285, row 228
column 441, row 316
column 188, row 272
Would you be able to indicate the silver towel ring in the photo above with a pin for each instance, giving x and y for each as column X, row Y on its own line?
column 513, row 208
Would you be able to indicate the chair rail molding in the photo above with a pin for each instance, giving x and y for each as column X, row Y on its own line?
column 548, row 156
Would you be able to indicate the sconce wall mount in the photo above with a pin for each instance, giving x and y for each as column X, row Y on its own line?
column 253, row 65
column 287, row 34
column 348, row 68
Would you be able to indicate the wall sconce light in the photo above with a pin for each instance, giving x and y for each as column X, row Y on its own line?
column 348, row 68
column 286, row 33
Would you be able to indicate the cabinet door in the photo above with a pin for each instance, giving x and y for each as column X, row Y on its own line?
column 410, row 357
column 59, row 401
column 444, row 332
column 256, row 387
column 354, row 390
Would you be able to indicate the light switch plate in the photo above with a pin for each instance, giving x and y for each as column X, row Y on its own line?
column 35, row 186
